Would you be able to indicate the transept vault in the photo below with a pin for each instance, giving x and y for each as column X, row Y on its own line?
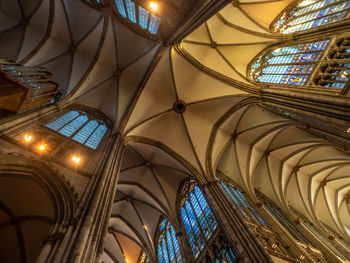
column 99, row 173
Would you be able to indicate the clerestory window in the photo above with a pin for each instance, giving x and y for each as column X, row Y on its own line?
column 307, row 14
column 289, row 64
column 242, row 205
column 202, row 229
column 136, row 14
column 81, row 127
column 168, row 249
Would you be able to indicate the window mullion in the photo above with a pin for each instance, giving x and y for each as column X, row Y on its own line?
column 91, row 133
column 203, row 212
column 198, row 222
column 188, row 218
column 68, row 123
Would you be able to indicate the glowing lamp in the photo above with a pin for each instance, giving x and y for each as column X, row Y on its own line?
column 27, row 138
column 42, row 147
column 76, row 159
column 153, row 6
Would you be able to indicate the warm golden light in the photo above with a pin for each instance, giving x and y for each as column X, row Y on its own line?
column 153, row 6
column 27, row 138
column 42, row 147
column 76, row 159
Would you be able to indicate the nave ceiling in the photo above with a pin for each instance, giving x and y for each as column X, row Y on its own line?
column 99, row 62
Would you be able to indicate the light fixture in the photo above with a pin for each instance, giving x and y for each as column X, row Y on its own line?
column 344, row 74
column 153, row 6
column 302, row 257
column 42, row 147
column 76, row 159
column 274, row 245
column 306, row 2
column 27, row 137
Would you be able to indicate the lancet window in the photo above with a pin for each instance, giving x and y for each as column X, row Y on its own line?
column 168, row 249
column 201, row 227
column 81, row 127
column 137, row 14
column 242, row 205
column 288, row 64
column 307, row 14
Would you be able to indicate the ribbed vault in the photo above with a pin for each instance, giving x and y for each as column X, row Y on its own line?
column 147, row 190
column 261, row 150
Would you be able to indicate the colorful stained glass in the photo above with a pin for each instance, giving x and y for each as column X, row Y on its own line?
column 288, row 65
column 311, row 14
column 168, row 246
column 197, row 217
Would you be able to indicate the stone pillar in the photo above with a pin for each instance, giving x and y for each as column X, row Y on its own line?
column 238, row 233
column 84, row 239
column 185, row 249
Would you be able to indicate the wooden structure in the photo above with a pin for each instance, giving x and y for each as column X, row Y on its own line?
column 22, row 88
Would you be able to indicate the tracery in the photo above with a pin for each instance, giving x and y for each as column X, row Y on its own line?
column 309, row 14
column 201, row 226
column 168, row 249
column 137, row 14
column 80, row 127
column 288, row 64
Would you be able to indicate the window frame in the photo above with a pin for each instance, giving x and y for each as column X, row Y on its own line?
column 92, row 114
column 289, row 8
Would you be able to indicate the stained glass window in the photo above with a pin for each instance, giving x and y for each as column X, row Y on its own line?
column 78, row 126
column 242, row 205
column 203, row 231
column 311, row 14
column 168, row 246
column 197, row 217
column 289, row 64
column 137, row 14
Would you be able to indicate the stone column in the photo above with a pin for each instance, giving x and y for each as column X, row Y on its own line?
column 84, row 240
column 238, row 233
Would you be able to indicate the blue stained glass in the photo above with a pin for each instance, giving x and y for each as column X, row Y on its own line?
column 165, row 252
column 130, row 8
column 121, row 8
column 85, row 132
column 305, row 16
column 73, row 126
column 160, row 254
column 168, row 247
column 200, row 216
column 154, row 24
column 143, row 17
column 63, row 120
column 96, row 137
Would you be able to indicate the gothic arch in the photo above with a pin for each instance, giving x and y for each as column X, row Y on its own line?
column 26, row 183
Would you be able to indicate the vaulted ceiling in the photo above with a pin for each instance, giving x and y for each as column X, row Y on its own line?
column 101, row 63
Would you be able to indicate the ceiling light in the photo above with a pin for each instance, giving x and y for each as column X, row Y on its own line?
column 344, row 74
column 306, row 2
column 27, row 138
column 153, row 6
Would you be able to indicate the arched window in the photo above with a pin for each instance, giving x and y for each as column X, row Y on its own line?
column 242, row 205
column 94, row 3
column 201, row 226
column 136, row 14
column 289, row 64
column 310, row 14
column 80, row 127
column 168, row 249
